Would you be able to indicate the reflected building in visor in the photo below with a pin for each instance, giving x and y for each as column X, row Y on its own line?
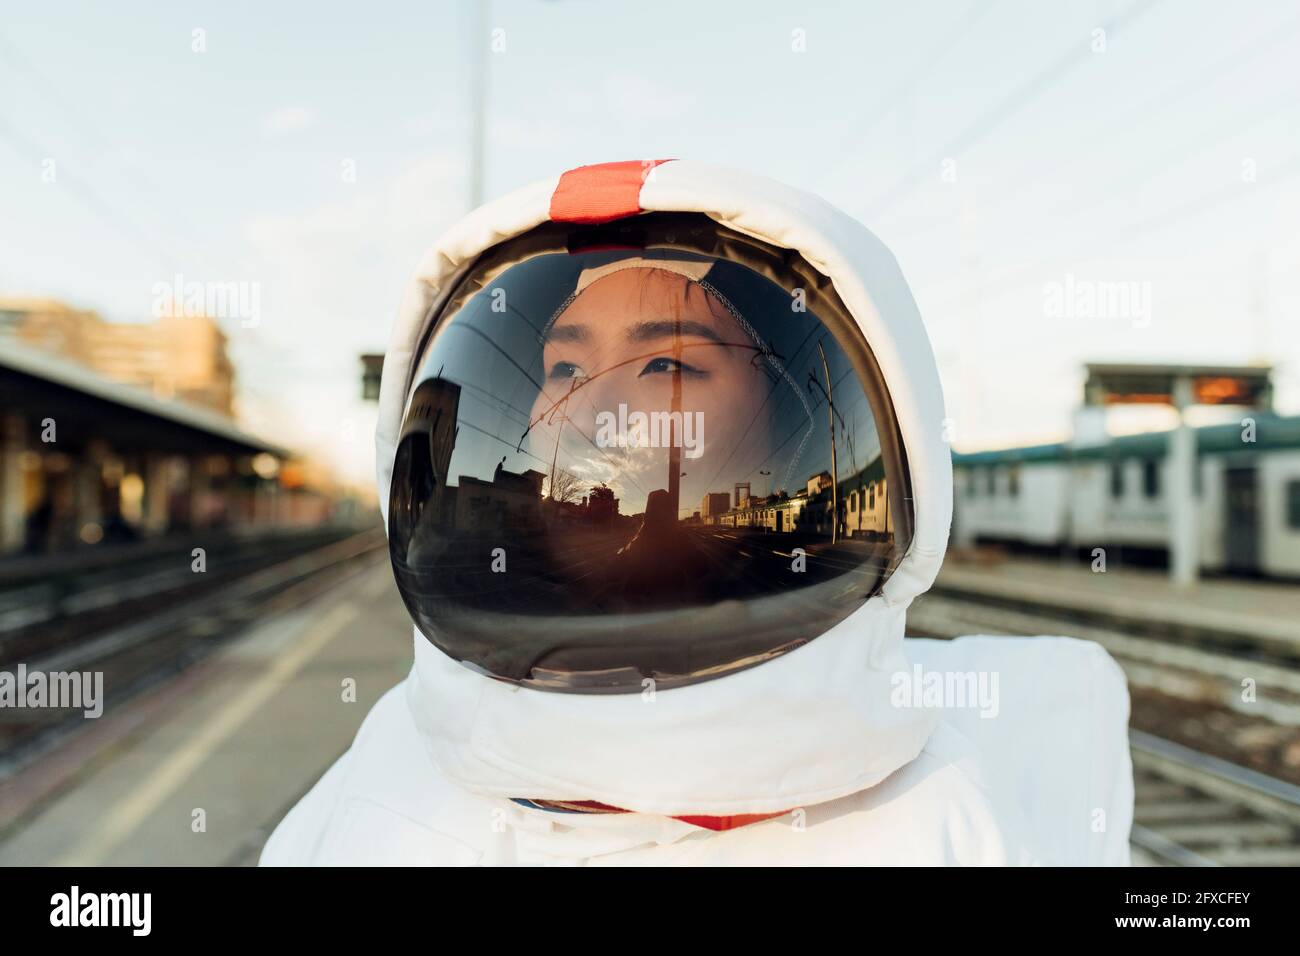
column 862, row 505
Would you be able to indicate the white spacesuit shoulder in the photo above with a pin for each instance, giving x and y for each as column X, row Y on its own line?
column 935, row 811
column 939, row 810
column 381, row 803
column 1052, row 739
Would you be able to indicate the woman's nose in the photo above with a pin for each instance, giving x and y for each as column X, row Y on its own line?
column 599, row 398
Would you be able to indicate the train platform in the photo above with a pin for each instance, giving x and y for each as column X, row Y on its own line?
column 232, row 743
column 1261, row 613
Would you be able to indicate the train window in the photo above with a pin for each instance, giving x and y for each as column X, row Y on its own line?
column 991, row 481
column 1151, row 478
column 1013, row 481
column 972, row 483
column 1293, row 503
column 1117, row 480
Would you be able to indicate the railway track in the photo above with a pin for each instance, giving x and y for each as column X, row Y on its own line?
column 1193, row 809
column 54, row 602
column 1201, row 672
column 136, row 645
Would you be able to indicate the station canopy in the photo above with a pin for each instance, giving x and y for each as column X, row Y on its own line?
column 1147, row 384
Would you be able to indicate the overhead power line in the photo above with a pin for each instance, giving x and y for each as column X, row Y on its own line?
column 1007, row 107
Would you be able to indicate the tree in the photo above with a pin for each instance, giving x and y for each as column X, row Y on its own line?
column 565, row 487
column 601, row 504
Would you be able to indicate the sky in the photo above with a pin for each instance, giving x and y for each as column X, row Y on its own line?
column 1021, row 159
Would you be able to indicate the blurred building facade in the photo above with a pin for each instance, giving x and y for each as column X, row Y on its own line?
column 180, row 358
column 113, row 433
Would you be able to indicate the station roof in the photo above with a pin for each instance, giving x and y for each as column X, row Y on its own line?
column 1118, row 383
column 1271, row 432
column 1159, row 369
column 42, row 385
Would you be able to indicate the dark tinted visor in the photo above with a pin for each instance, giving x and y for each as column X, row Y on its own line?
column 654, row 450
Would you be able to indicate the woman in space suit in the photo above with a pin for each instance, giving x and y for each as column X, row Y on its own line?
column 661, row 448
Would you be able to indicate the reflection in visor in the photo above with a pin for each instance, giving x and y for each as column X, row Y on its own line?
column 653, row 463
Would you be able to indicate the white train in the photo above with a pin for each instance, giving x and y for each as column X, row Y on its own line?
column 1114, row 495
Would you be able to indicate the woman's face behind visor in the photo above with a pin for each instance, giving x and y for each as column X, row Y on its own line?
column 653, row 464
column 647, row 364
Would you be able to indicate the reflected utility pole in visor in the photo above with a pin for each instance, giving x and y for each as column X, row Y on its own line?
column 835, row 468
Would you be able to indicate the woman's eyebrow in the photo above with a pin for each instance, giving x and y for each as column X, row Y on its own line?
column 665, row 328
column 568, row 333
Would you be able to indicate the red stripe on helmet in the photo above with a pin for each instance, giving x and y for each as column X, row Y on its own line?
column 601, row 193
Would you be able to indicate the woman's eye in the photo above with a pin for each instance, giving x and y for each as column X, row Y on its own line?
column 562, row 370
column 665, row 364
